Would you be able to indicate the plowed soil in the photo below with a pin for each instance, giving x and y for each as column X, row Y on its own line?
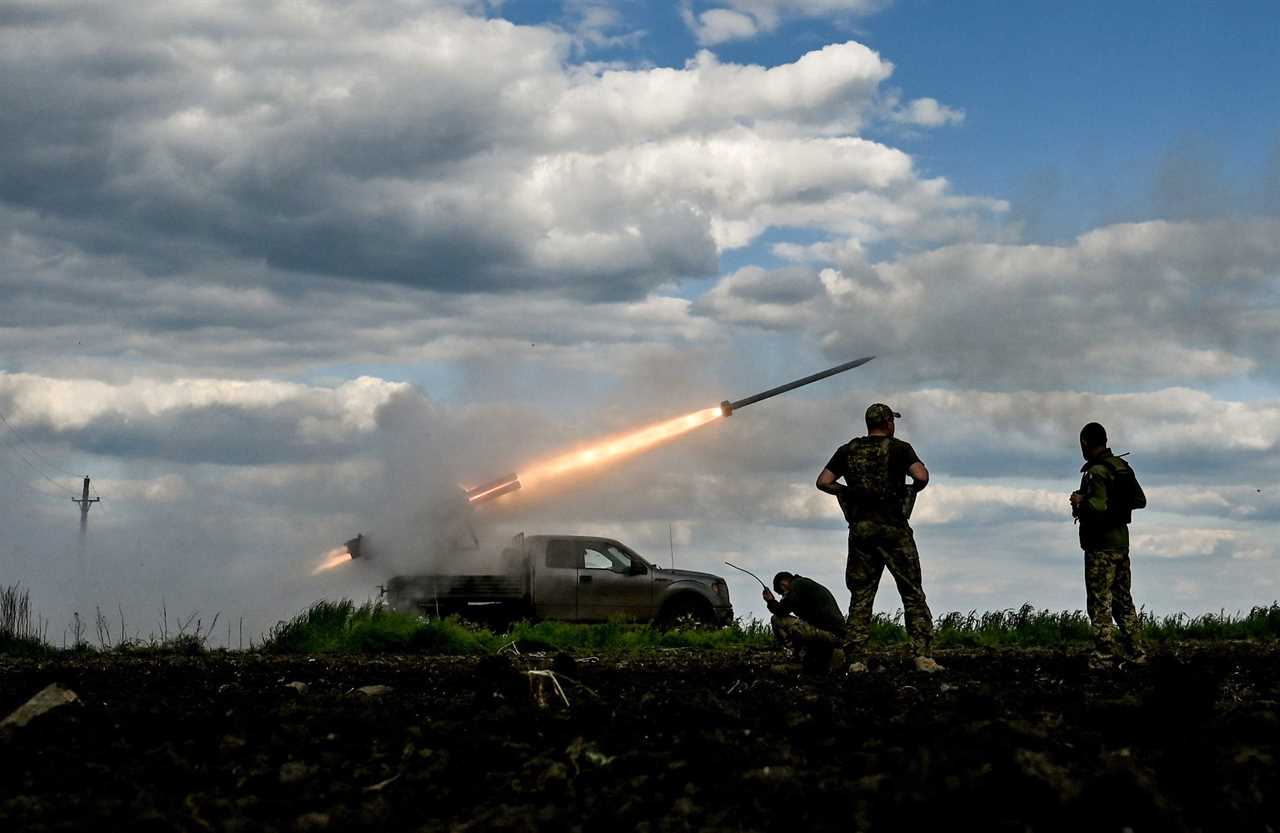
column 687, row 741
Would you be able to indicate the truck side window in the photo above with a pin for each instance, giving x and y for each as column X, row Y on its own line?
column 562, row 554
column 623, row 559
column 594, row 559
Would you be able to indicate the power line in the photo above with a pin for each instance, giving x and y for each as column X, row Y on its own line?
column 38, row 470
column 35, row 451
column 34, row 486
column 84, row 501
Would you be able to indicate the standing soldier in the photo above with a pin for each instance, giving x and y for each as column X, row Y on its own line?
column 876, row 501
column 1109, row 492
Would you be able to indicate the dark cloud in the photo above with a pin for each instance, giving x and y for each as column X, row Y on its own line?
column 418, row 145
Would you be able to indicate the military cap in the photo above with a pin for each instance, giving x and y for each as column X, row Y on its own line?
column 880, row 413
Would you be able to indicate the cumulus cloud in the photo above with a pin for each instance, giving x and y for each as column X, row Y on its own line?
column 926, row 112
column 196, row 420
column 1141, row 302
column 422, row 145
column 743, row 19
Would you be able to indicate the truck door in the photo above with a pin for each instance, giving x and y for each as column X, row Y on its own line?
column 555, row 590
column 613, row 584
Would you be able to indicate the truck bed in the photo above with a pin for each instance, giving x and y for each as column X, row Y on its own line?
column 460, row 588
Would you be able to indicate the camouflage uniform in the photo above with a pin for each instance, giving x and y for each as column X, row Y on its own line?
column 872, row 548
column 875, row 470
column 798, row 634
column 1104, row 537
column 808, row 620
column 1107, row 582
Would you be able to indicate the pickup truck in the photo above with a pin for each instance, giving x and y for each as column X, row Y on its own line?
column 572, row 578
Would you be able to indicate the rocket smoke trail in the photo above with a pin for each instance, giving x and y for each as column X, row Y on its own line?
column 636, row 441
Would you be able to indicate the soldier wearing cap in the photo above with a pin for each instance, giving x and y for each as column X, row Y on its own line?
column 876, row 500
column 1103, row 506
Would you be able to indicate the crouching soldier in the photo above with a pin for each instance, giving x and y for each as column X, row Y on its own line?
column 1104, row 504
column 807, row 620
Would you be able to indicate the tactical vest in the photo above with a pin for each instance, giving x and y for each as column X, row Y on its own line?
column 867, row 473
column 1122, row 491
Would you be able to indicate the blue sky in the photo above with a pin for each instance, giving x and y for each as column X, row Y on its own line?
column 1098, row 94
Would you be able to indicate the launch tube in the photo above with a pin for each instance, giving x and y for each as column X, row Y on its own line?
column 728, row 407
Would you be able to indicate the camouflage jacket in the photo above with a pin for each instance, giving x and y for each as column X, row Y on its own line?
column 813, row 603
column 1101, row 527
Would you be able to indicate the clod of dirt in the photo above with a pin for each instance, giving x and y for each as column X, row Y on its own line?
column 374, row 690
column 297, row 686
column 45, row 700
column 564, row 663
column 291, row 772
column 308, row 822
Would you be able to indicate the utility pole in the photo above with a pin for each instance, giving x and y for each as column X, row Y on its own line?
column 84, row 501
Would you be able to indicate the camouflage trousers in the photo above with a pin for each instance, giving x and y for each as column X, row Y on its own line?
column 798, row 634
column 813, row 645
column 872, row 548
column 1107, row 581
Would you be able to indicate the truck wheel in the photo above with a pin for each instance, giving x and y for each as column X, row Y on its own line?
column 686, row 612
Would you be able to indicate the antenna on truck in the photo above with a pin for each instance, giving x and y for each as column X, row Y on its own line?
column 671, row 541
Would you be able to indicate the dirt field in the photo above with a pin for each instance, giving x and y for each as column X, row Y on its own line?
column 1016, row 740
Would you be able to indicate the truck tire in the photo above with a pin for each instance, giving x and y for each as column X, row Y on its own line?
column 687, row 610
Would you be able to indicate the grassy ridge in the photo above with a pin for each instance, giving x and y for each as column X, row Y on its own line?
column 343, row 627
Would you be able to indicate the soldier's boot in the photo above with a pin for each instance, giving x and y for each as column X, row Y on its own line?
column 1136, row 655
column 928, row 665
column 1134, row 651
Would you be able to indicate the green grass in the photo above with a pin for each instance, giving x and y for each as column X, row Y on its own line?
column 343, row 627
column 1028, row 627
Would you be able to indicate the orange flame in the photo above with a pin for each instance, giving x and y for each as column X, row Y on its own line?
column 615, row 448
column 479, row 497
column 335, row 557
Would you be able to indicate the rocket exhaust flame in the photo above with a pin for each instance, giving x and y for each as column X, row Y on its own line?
column 616, row 448
column 335, row 557
column 338, row 556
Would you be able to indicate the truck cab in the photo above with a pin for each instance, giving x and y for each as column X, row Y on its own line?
column 589, row 579
column 574, row 578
